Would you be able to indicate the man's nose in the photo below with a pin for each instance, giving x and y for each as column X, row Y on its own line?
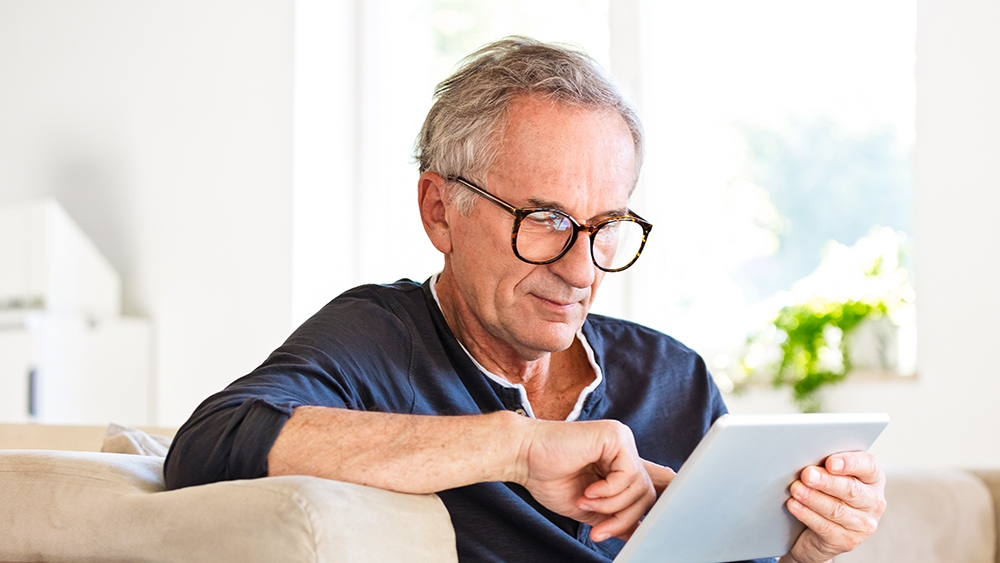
column 576, row 267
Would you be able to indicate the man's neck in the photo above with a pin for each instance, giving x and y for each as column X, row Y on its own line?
column 553, row 381
column 495, row 355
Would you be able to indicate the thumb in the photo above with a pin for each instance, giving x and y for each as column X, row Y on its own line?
column 661, row 475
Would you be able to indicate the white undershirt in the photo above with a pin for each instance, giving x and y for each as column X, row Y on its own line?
column 598, row 376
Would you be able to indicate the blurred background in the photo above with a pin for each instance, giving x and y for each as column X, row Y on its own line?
column 239, row 164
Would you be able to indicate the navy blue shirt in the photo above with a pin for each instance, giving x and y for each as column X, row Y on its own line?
column 387, row 348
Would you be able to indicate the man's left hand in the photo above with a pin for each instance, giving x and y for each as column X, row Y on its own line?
column 840, row 503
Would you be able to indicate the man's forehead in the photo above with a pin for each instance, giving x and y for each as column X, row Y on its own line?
column 550, row 116
column 577, row 159
column 547, row 129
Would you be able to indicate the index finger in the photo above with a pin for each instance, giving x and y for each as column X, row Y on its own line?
column 860, row 465
column 625, row 469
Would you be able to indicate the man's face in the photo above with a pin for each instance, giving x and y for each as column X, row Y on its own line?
column 553, row 155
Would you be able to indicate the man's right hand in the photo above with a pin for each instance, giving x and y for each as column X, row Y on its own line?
column 591, row 472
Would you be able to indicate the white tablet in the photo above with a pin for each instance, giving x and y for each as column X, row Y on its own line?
column 727, row 502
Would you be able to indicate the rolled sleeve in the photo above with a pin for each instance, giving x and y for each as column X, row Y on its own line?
column 225, row 444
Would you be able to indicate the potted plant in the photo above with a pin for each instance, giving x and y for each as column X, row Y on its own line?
column 806, row 343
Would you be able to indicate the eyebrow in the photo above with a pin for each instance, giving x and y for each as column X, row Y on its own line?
column 534, row 202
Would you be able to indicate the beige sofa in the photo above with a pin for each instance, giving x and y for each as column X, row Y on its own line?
column 62, row 505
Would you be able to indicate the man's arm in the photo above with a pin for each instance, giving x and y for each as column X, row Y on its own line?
column 588, row 471
column 840, row 503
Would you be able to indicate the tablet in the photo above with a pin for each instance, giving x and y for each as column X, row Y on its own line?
column 727, row 502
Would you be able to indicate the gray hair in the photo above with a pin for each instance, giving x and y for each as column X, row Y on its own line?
column 463, row 131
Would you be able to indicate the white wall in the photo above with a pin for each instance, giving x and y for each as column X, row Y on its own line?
column 326, row 165
column 165, row 129
column 948, row 416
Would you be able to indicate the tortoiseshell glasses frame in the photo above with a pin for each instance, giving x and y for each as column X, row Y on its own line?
column 554, row 232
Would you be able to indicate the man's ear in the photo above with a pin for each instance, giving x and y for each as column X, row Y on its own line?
column 430, row 197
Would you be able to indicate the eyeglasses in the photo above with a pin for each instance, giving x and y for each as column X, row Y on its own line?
column 542, row 235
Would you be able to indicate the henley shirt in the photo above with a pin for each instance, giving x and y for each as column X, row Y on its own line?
column 388, row 348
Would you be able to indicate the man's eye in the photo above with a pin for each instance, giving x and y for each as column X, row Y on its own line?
column 548, row 221
column 609, row 230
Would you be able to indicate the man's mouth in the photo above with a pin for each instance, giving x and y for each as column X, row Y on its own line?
column 556, row 302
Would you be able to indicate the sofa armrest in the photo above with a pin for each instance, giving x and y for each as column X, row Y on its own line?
column 74, row 506
column 992, row 480
column 59, row 437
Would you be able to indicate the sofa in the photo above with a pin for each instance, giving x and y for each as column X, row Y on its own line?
column 62, row 500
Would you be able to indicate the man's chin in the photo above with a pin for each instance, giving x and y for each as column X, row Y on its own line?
column 547, row 339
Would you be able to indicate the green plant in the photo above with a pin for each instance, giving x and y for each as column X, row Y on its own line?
column 807, row 328
column 805, row 344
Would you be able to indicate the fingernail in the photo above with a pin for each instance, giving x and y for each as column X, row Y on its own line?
column 585, row 506
column 601, row 537
column 812, row 477
column 794, row 504
column 798, row 491
column 836, row 464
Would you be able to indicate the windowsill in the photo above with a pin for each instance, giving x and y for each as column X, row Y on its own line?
column 856, row 376
column 869, row 375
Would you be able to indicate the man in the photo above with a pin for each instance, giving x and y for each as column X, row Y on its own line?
column 561, row 428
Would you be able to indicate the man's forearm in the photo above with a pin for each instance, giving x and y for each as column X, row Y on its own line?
column 404, row 453
column 588, row 471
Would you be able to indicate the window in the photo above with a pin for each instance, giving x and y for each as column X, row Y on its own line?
column 772, row 128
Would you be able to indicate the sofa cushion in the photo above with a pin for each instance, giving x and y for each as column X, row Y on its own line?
column 933, row 516
column 76, row 506
column 127, row 440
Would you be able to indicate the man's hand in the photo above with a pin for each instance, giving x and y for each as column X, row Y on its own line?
column 661, row 475
column 591, row 472
column 840, row 503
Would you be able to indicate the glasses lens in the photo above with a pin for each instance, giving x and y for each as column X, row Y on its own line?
column 617, row 243
column 543, row 235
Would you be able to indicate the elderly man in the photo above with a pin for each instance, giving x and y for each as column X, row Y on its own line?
column 559, row 428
